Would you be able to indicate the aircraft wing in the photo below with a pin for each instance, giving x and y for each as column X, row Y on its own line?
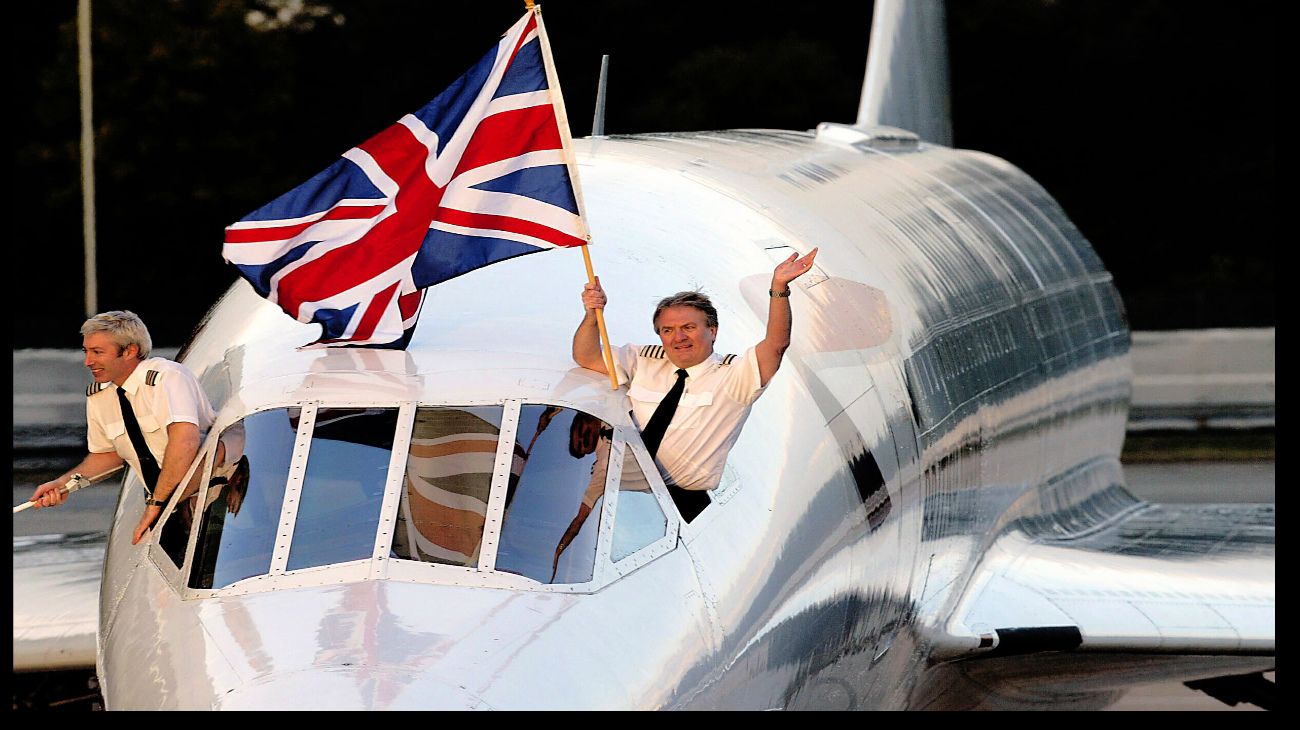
column 56, row 600
column 1163, row 592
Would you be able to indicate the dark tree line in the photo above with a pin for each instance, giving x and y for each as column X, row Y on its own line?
column 1151, row 121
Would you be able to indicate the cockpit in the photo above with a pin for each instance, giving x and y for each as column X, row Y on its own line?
column 511, row 494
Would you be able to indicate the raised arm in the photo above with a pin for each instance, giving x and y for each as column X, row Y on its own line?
column 586, row 340
column 770, row 351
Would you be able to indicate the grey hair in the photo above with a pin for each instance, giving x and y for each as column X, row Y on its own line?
column 694, row 299
column 124, row 327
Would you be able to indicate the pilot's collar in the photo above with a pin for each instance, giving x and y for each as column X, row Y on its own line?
column 133, row 381
column 702, row 367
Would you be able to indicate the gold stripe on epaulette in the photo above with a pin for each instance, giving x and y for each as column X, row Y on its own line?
column 151, row 378
column 727, row 360
column 94, row 388
column 654, row 352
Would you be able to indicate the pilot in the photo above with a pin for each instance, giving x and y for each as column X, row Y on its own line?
column 688, row 401
column 150, row 413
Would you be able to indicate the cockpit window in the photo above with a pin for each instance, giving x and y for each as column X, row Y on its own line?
column 448, row 480
column 243, row 497
column 639, row 521
column 552, row 517
column 343, row 488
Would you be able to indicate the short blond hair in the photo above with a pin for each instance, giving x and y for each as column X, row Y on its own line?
column 126, row 328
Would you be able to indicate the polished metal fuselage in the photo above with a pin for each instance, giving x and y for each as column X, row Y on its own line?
column 959, row 366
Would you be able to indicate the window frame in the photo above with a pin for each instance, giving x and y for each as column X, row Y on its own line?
column 161, row 560
column 379, row 565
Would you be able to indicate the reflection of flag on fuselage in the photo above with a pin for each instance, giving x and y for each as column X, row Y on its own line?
column 476, row 176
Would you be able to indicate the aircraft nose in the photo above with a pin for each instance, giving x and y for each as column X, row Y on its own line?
column 346, row 687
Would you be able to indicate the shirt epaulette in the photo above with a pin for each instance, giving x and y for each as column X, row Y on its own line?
column 94, row 388
column 726, row 360
column 654, row 352
column 151, row 377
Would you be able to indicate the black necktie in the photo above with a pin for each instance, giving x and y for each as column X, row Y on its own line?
column 689, row 502
column 653, row 432
column 148, row 466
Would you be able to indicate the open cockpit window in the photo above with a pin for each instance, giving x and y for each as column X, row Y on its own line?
column 174, row 535
column 640, row 520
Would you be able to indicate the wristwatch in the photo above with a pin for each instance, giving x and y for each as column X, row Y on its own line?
column 151, row 502
column 785, row 293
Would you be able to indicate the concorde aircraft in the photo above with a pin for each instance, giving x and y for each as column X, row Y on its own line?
column 925, row 510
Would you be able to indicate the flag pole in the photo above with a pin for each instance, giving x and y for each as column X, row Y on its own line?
column 75, row 482
column 566, row 140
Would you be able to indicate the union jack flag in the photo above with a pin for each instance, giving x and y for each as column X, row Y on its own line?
column 476, row 176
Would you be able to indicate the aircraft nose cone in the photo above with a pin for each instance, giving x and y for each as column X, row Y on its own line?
column 349, row 688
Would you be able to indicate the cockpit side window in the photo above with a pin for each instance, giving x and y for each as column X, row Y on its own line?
column 640, row 521
column 243, row 497
column 343, row 489
column 552, row 514
column 448, row 480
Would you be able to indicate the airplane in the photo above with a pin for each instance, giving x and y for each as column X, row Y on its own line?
column 925, row 510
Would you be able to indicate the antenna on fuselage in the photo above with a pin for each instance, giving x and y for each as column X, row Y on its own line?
column 598, row 124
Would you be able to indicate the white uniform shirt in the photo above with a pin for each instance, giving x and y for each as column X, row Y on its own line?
column 161, row 393
column 719, row 393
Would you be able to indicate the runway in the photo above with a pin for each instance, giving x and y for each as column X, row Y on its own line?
column 1177, row 482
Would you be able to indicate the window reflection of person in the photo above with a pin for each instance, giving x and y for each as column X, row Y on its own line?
column 543, row 422
column 229, row 482
column 587, row 435
column 229, row 478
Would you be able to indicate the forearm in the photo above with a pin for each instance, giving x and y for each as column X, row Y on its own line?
column 779, row 322
column 182, row 447
column 586, row 345
column 94, row 465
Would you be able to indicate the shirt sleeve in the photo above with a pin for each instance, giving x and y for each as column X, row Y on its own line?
column 183, row 400
column 625, row 361
column 97, row 441
column 744, row 383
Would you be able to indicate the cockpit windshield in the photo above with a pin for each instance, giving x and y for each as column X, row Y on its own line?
column 518, row 489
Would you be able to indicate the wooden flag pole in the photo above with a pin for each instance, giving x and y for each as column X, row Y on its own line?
column 600, row 323
column 562, row 119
